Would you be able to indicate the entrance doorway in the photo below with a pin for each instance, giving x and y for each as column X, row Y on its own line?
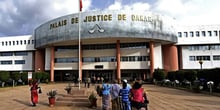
column 107, row 75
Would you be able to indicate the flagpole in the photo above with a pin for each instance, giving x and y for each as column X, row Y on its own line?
column 80, row 9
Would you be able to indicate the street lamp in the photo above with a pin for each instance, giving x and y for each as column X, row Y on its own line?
column 200, row 62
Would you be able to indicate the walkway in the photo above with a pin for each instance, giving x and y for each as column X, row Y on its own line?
column 161, row 98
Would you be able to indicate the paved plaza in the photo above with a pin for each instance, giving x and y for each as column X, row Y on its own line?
column 161, row 98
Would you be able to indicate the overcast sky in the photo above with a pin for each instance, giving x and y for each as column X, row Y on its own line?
column 21, row 17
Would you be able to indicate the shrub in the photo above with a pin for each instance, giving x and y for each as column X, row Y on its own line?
column 45, row 77
column 159, row 75
column 24, row 77
column 171, row 75
column 15, row 75
column 180, row 75
column 190, row 75
column 4, row 76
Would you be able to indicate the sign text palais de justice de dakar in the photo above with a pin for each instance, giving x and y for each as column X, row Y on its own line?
column 104, row 17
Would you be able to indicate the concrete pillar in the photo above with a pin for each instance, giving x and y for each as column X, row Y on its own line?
column 39, row 60
column 118, row 60
column 170, row 57
column 151, row 53
column 52, row 64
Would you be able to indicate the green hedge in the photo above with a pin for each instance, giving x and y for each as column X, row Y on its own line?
column 4, row 76
column 159, row 75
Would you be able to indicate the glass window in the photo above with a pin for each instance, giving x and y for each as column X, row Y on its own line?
column 215, row 33
column 97, row 59
column 203, row 33
column 9, row 42
column 13, row 42
column 29, row 42
column 216, row 57
column 209, row 33
column 25, row 42
column 124, row 58
column 192, row 58
column 66, row 60
column 66, row 48
column 179, row 34
column 191, row 34
column 185, row 34
column 19, row 61
column 134, row 45
column 203, row 58
column 21, row 53
column 6, row 62
column 88, row 59
column 197, row 34
column 2, row 43
column 21, row 42
column 17, row 42
column 131, row 58
column 6, row 54
column 6, row 43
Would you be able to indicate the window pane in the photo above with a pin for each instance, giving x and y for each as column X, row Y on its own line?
column 21, row 53
column 191, row 34
column 6, row 54
column 19, row 61
column 6, row 62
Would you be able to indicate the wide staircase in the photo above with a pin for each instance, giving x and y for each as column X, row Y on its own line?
column 77, row 97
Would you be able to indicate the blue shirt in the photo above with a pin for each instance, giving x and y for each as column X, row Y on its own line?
column 106, row 89
column 124, row 93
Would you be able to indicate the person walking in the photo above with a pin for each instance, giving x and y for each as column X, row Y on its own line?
column 85, row 82
column 34, row 92
column 106, row 96
column 124, row 93
column 88, row 82
column 128, row 85
column 138, row 96
column 115, row 95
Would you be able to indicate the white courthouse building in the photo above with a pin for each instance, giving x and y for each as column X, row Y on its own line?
column 113, row 45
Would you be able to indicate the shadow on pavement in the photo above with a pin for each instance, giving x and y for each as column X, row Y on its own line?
column 22, row 102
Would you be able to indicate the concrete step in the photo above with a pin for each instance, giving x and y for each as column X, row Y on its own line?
column 78, row 92
column 78, row 99
column 71, row 103
column 74, row 96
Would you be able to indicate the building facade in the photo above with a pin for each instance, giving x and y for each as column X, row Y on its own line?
column 199, row 46
column 112, row 45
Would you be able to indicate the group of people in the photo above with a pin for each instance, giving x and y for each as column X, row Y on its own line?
column 123, row 98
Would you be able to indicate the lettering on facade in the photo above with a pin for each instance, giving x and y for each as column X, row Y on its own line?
column 155, row 21
column 58, row 24
column 106, row 17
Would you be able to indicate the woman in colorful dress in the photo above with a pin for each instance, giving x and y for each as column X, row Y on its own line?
column 106, row 96
column 34, row 92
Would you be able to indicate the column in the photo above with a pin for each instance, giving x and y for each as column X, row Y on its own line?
column 170, row 57
column 118, row 60
column 39, row 60
column 151, row 54
column 52, row 64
